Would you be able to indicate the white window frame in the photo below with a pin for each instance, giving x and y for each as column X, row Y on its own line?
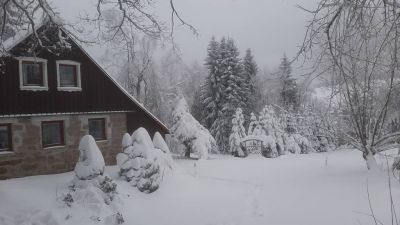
column 78, row 75
column 45, row 86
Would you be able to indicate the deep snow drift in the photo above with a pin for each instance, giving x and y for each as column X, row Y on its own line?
column 324, row 188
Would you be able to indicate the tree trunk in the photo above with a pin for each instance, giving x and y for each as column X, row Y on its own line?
column 187, row 148
column 370, row 160
column 187, row 153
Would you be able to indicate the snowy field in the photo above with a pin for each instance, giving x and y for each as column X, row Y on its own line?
column 309, row 189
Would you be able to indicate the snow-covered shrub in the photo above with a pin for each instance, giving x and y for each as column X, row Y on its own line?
column 159, row 143
column 191, row 133
column 322, row 144
column 291, row 144
column 91, row 162
column 303, row 143
column 136, row 162
column 268, row 148
column 90, row 188
column 142, row 161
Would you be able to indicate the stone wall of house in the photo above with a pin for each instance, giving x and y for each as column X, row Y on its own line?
column 28, row 157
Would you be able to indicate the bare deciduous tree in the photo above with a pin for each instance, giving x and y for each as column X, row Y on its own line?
column 128, row 16
column 356, row 42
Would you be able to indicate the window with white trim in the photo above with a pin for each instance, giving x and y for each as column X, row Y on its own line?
column 33, row 74
column 68, row 75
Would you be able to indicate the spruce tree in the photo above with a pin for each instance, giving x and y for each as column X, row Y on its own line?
column 289, row 94
column 232, row 92
column 250, row 70
column 210, row 93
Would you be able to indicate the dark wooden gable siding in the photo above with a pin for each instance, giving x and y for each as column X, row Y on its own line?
column 99, row 92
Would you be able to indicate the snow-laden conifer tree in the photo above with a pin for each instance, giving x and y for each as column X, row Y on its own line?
column 252, row 124
column 191, row 133
column 211, row 91
column 273, row 127
column 237, row 134
column 250, row 70
column 289, row 98
column 232, row 93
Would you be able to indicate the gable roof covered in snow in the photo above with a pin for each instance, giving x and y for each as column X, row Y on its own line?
column 99, row 91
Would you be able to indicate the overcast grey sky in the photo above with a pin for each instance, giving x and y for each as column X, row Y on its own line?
column 268, row 27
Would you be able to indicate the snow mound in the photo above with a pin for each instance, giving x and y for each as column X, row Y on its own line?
column 36, row 217
column 91, row 162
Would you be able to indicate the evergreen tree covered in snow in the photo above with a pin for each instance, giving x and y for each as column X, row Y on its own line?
column 232, row 93
column 289, row 98
column 252, row 124
column 250, row 70
column 211, row 92
column 273, row 127
column 229, row 85
column 197, row 108
column 237, row 134
column 191, row 133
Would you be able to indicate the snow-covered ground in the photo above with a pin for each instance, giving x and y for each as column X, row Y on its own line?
column 329, row 188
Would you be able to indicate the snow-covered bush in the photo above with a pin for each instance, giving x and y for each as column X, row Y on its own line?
column 160, row 144
column 142, row 162
column 268, row 148
column 90, row 188
column 291, row 144
column 303, row 143
column 191, row 133
column 91, row 162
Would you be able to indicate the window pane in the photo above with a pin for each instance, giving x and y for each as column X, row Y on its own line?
column 67, row 76
column 52, row 133
column 97, row 129
column 32, row 74
column 4, row 138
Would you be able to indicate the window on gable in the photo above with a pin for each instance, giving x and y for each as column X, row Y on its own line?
column 5, row 137
column 33, row 73
column 68, row 75
column 97, row 128
column 52, row 133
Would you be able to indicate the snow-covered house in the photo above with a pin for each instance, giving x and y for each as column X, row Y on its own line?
column 49, row 100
